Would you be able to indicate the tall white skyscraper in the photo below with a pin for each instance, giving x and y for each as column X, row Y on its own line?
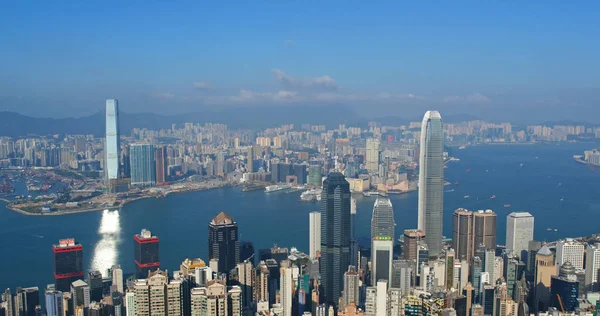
column 112, row 143
column 382, row 239
column 381, row 307
column 431, row 181
column 571, row 251
column 372, row 154
column 519, row 231
column 314, row 220
column 592, row 264
column 286, row 286
column 117, row 278
column 351, row 286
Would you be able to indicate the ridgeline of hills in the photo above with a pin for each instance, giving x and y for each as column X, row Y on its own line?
column 15, row 125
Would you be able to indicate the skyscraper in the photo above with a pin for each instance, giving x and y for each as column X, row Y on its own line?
column 223, row 243
column 351, row 286
column 592, row 266
column 564, row 288
column 143, row 167
column 462, row 234
column 372, row 154
column 572, row 251
column 160, row 159
column 314, row 219
column 94, row 280
column 146, row 253
column 519, row 231
column 431, row 181
column 412, row 238
column 544, row 270
column 382, row 240
column 335, row 235
column 68, row 263
column 250, row 159
column 484, row 229
column 54, row 303
column 112, row 143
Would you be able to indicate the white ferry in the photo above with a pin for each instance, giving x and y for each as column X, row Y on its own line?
column 277, row 187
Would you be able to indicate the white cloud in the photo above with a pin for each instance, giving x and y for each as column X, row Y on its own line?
column 474, row 97
column 163, row 95
column 201, row 85
column 324, row 82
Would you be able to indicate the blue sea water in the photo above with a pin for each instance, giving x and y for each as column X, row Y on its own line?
column 541, row 179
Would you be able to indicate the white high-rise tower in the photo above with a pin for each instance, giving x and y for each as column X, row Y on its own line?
column 111, row 143
column 431, row 181
column 382, row 239
column 314, row 219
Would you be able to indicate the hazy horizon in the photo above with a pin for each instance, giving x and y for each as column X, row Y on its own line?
column 520, row 62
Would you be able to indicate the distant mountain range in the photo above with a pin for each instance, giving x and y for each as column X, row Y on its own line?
column 14, row 124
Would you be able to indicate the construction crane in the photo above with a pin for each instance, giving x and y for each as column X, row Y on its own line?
column 562, row 307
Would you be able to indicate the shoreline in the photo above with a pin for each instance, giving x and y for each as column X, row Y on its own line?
column 95, row 209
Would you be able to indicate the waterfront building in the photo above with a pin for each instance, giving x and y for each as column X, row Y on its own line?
column 146, row 253
column 314, row 175
column 142, row 164
column 54, row 303
column 335, row 236
column 223, row 243
column 94, row 280
column 314, row 222
column 68, row 263
column 569, row 250
column 462, row 234
column 484, row 229
column 564, row 288
column 7, row 302
column 112, row 144
column 519, row 232
column 431, row 181
column 592, row 266
column 412, row 238
column 160, row 159
column 544, row 270
column 372, row 159
column 382, row 240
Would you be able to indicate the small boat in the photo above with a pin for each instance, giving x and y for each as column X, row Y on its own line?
column 548, row 229
column 467, row 196
column 521, row 165
column 451, row 190
column 556, row 230
column 493, row 197
column 457, row 182
column 507, row 205
column 468, row 170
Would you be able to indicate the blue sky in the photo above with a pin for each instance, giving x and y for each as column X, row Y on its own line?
column 492, row 59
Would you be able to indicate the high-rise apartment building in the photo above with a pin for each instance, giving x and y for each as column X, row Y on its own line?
column 592, row 266
column 142, row 164
column 519, row 231
column 401, row 275
column 80, row 292
column 569, row 250
column 382, row 240
column 215, row 300
column 431, row 181
column 27, row 302
column 155, row 295
column 335, row 235
column 112, row 144
column 245, row 278
column 314, row 221
column 68, row 263
column 117, row 278
column 286, row 286
column 160, row 159
column 146, row 253
column 372, row 161
column 223, row 243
